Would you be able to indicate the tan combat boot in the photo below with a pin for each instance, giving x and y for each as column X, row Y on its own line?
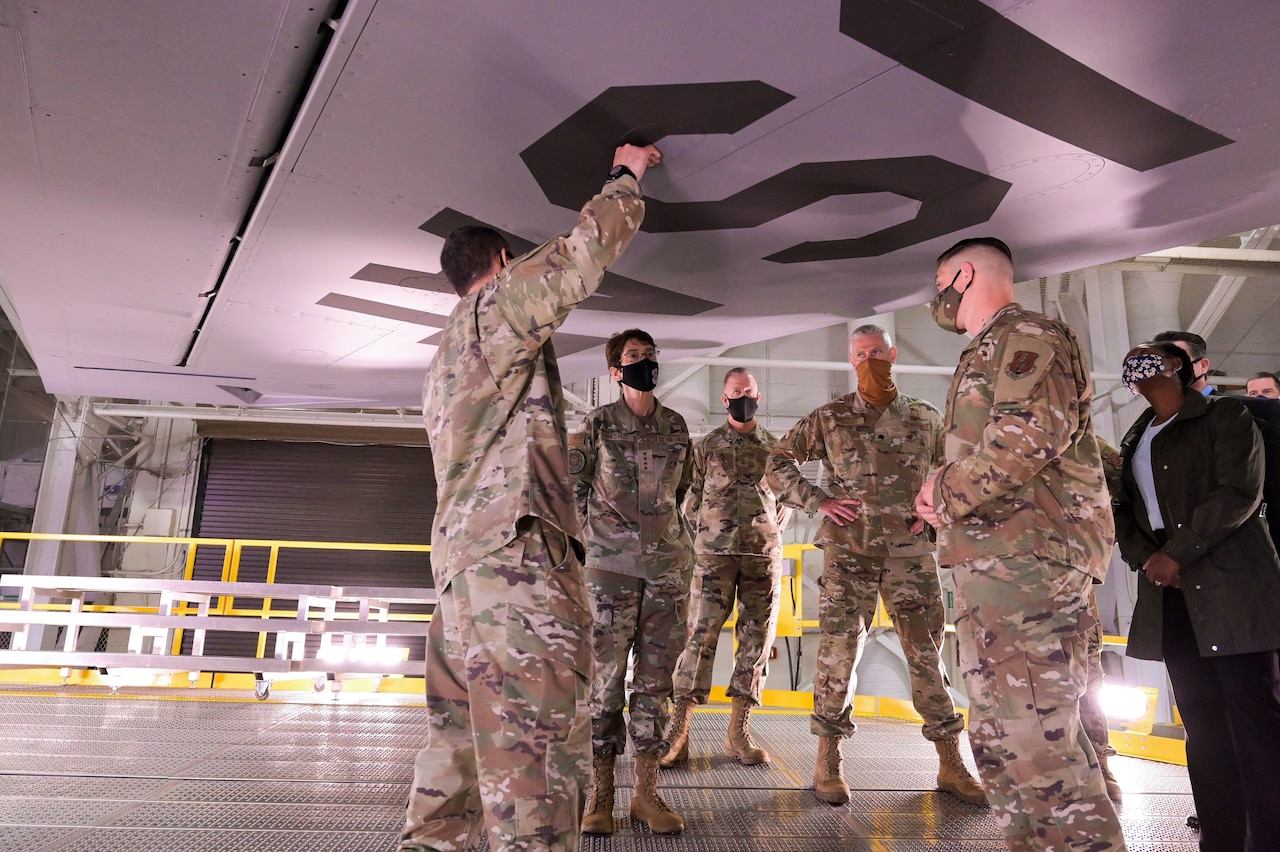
column 599, row 816
column 953, row 775
column 1113, row 786
column 646, row 805
column 738, row 742
column 828, row 783
column 678, row 734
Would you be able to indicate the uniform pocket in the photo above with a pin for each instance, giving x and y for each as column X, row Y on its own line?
column 548, row 664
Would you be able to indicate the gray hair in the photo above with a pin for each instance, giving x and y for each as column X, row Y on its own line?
column 871, row 328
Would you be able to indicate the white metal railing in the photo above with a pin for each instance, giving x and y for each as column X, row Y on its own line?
column 351, row 644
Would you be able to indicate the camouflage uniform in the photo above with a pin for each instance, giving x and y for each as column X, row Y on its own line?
column 1025, row 523
column 882, row 459
column 1092, row 717
column 630, row 475
column 738, row 549
column 508, row 659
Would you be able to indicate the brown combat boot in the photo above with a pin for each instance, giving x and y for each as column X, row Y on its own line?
column 599, row 816
column 828, row 783
column 1113, row 786
column 646, row 805
column 738, row 742
column 953, row 775
column 678, row 734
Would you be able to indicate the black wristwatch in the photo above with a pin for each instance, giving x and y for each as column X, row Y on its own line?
column 618, row 171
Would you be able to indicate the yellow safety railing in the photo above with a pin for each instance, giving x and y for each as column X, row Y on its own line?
column 790, row 622
column 233, row 550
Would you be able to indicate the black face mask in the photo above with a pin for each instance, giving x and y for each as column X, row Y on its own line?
column 642, row 375
column 743, row 408
column 1187, row 370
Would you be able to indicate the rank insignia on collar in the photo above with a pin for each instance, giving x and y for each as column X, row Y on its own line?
column 1022, row 363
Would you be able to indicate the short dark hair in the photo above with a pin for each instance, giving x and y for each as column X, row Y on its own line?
column 1194, row 342
column 1263, row 374
column 468, row 255
column 613, row 349
column 735, row 371
column 991, row 242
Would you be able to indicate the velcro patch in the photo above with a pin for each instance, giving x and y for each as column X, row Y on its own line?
column 1022, row 363
column 1026, row 360
column 577, row 461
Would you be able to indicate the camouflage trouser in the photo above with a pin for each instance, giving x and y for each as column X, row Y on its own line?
column 849, row 585
column 1023, row 651
column 757, row 581
column 1092, row 716
column 508, row 664
column 645, row 617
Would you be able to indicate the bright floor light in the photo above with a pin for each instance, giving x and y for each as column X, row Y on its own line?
column 368, row 655
column 1123, row 703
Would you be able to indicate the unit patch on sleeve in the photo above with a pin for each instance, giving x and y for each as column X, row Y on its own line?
column 1026, row 360
column 1021, row 364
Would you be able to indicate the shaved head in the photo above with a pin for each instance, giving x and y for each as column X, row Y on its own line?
column 981, row 270
column 985, row 258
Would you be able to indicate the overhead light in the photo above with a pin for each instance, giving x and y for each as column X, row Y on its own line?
column 402, row 417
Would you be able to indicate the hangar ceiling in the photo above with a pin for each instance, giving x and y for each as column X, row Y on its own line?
column 243, row 202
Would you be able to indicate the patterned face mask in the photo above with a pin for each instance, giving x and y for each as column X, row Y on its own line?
column 1138, row 368
column 945, row 306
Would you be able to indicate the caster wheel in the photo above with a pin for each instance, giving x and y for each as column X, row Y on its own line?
column 261, row 690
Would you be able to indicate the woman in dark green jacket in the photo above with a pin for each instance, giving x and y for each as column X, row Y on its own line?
column 1209, row 592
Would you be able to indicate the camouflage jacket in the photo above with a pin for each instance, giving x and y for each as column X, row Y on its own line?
column 492, row 399
column 881, row 461
column 727, row 509
column 630, row 477
column 1024, row 471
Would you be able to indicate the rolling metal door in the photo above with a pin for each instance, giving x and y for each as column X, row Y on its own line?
column 309, row 491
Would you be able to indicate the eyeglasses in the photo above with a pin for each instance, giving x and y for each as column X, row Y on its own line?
column 631, row 356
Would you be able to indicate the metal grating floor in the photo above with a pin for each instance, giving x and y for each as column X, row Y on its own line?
column 87, row 769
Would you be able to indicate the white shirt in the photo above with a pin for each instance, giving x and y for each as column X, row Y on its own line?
column 1143, row 476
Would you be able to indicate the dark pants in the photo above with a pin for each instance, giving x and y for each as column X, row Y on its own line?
column 1230, row 708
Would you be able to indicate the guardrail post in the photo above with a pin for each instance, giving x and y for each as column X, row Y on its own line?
column 67, row 436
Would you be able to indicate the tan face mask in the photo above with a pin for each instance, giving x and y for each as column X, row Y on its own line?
column 875, row 382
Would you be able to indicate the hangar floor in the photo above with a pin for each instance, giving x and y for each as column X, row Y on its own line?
column 86, row 769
